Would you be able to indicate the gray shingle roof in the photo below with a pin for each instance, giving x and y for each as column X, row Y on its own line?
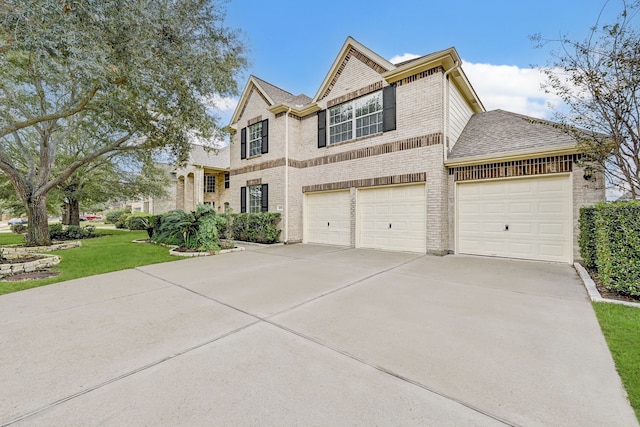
column 213, row 158
column 498, row 132
column 280, row 95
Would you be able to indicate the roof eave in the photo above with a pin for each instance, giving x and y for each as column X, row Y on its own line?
column 244, row 98
column 447, row 58
column 512, row 155
column 299, row 110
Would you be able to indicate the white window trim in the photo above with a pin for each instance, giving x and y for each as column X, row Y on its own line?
column 351, row 108
column 254, row 204
column 255, row 139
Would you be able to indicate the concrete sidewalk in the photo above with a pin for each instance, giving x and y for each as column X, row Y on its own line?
column 310, row 335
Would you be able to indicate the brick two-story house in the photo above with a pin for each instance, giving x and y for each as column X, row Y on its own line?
column 404, row 157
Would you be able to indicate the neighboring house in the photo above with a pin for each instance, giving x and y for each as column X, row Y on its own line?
column 404, row 157
column 204, row 179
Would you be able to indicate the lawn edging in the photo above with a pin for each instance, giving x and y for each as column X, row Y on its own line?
column 592, row 290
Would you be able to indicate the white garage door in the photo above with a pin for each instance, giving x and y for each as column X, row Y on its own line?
column 527, row 218
column 328, row 218
column 393, row 218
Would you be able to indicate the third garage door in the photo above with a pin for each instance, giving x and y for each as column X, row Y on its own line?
column 393, row 218
column 527, row 218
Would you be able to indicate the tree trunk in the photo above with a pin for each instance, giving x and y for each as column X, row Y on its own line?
column 65, row 213
column 74, row 211
column 38, row 230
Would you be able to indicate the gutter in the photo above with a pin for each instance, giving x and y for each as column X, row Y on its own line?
column 286, row 177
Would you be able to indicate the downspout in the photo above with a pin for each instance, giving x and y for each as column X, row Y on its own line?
column 445, row 106
column 286, row 177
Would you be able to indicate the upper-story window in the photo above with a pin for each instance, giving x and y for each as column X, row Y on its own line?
column 367, row 115
column 254, row 139
column 360, row 117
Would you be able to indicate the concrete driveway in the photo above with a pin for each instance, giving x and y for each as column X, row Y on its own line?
column 310, row 335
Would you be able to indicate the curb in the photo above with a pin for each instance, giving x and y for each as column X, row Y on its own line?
column 592, row 290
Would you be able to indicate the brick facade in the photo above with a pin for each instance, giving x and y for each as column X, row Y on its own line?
column 413, row 152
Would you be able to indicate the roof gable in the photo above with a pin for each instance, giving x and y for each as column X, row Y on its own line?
column 351, row 50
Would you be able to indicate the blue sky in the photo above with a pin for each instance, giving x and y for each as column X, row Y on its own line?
column 292, row 44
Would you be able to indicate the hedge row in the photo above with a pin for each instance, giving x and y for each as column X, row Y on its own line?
column 610, row 242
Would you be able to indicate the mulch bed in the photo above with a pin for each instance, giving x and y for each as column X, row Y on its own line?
column 32, row 275
column 605, row 293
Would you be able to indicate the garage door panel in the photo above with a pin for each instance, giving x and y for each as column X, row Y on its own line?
column 328, row 218
column 402, row 207
column 537, row 211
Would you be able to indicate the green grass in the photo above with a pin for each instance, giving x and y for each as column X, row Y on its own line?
column 621, row 327
column 111, row 252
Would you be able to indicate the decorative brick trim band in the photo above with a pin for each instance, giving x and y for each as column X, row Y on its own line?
column 355, row 94
column 365, row 59
column 251, row 182
column 258, row 167
column 376, row 150
column 421, row 75
column 254, row 120
column 515, row 168
column 361, row 153
column 293, row 116
column 411, row 178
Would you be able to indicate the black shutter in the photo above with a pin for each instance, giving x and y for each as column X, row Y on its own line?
column 243, row 199
column 389, row 108
column 265, row 136
column 243, row 143
column 322, row 128
column 265, row 197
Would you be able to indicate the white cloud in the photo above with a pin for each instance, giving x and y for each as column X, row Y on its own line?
column 404, row 57
column 511, row 88
column 222, row 103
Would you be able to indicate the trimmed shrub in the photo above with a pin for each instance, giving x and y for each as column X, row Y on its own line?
column 257, row 227
column 56, row 231
column 207, row 234
column 113, row 216
column 18, row 228
column 618, row 246
column 75, row 232
column 587, row 239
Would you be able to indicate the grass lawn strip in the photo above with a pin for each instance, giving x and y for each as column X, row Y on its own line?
column 112, row 252
column 621, row 327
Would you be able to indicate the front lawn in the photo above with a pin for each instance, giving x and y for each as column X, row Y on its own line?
column 111, row 252
column 621, row 327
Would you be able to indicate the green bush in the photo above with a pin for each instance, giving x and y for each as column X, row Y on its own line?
column 257, row 227
column 167, row 228
column 56, row 231
column 71, row 232
column 114, row 215
column 207, row 234
column 122, row 221
column 618, row 246
column 139, row 221
column 587, row 239
column 18, row 228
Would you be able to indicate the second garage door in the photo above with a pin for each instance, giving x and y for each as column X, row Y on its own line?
column 527, row 218
column 393, row 218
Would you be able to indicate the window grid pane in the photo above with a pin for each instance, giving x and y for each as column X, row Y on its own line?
column 209, row 184
column 255, row 139
column 340, row 123
column 255, row 199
